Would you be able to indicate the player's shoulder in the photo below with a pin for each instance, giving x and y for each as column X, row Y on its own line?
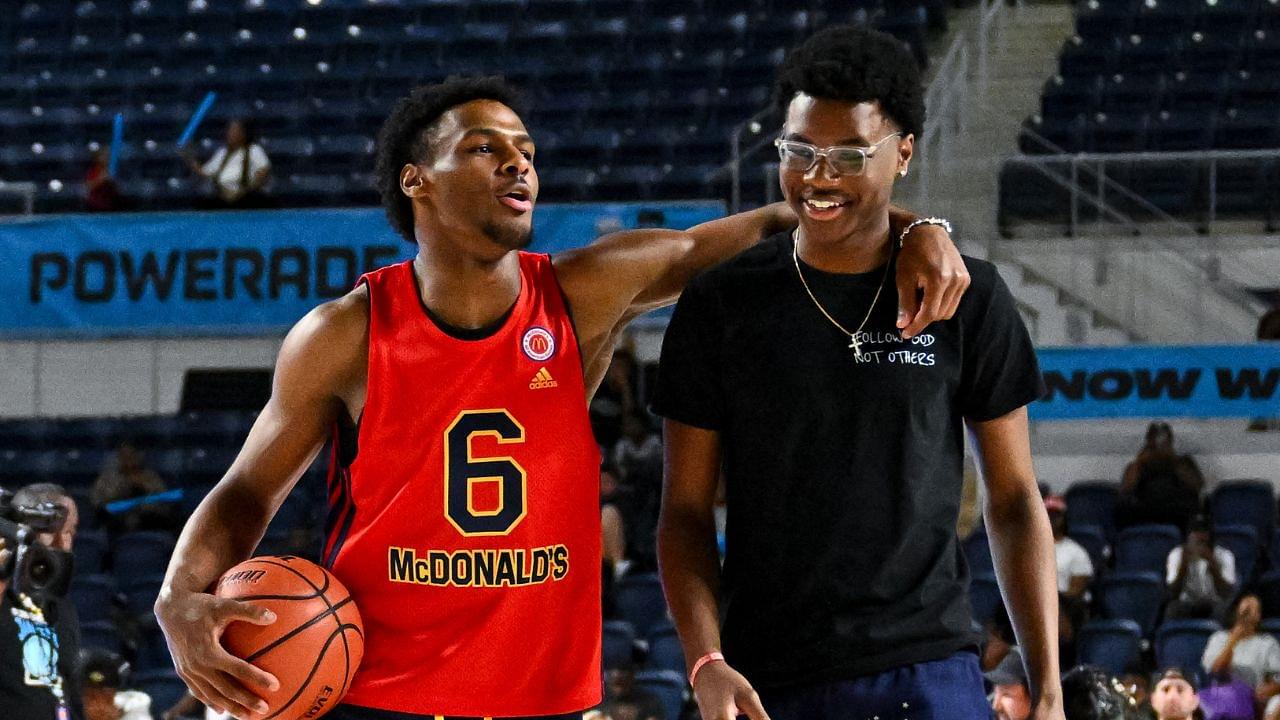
column 333, row 326
column 984, row 278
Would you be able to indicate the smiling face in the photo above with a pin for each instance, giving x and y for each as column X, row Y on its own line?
column 833, row 206
column 478, row 179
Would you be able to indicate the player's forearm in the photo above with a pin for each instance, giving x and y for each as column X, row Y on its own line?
column 1022, row 548
column 690, row 567
column 224, row 530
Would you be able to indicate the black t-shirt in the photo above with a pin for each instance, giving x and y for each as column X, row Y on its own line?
column 842, row 477
column 25, row 679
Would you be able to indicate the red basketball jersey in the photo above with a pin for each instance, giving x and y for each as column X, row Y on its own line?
column 467, row 527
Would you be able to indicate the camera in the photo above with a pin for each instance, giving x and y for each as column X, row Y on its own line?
column 30, row 567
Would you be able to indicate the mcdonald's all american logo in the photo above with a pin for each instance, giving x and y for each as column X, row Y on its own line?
column 539, row 344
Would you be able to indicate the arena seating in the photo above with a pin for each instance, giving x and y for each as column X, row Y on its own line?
column 119, row 575
column 1160, row 76
column 631, row 99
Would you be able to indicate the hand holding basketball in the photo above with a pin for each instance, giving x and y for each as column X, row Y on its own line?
column 193, row 625
column 314, row 647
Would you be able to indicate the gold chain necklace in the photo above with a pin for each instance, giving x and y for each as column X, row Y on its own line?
column 854, row 342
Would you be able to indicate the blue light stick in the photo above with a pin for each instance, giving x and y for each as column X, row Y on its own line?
column 197, row 118
column 117, row 144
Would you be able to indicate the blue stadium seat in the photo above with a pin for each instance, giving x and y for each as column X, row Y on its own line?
column 94, row 597
column 1102, row 21
column 137, row 555
column 665, row 652
column 1113, row 645
column 101, row 634
column 977, row 552
column 1269, row 593
column 1089, row 57
column 1179, row 130
column 1244, row 502
column 1066, row 97
column 1149, row 53
column 668, row 686
column 1093, row 503
column 1111, row 132
column 1181, row 642
column 1226, row 17
column 1161, row 18
column 90, row 550
column 164, row 687
column 1135, row 596
column 984, row 597
column 153, row 651
column 1145, row 548
column 1094, row 542
column 1271, row 626
column 140, row 595
column 619, row 642
column 1242, row 541
column 641, row 602
column 1027, row 193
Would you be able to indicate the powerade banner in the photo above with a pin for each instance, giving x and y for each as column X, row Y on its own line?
column 232, row 273
column 1157, row 381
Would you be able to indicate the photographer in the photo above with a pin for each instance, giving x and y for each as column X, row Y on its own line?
column 39, row 628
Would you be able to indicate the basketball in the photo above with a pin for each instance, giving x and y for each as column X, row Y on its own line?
column 314, row 646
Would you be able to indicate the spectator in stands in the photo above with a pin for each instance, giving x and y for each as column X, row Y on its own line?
column 239, row 171
column 1136, row 685
column 126, row 475
column 102, row 675
column 617, row 397
column 1010, row 696
column 999, row 642
column 1075, row 569
column 614, row 541
column 100, row 191
column 639, row 452
column 1088, row 693
column 1159, row 486
column 1244, row 654
column 39, row 645
column 1201, row 576
column 626, row 700
column 1176, row 697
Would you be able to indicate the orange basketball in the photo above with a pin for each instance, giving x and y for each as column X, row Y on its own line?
column 314, row 646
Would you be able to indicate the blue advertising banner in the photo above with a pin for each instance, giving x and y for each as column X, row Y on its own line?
column 1160, row 381
column 232, row 273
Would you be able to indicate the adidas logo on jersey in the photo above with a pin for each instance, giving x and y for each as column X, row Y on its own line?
column 542, row 380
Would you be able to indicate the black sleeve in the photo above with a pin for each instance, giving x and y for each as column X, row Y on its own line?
column 1001, row 373
column 688, row 388
column 68, row 629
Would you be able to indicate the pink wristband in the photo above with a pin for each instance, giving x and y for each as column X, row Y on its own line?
column 702, row 661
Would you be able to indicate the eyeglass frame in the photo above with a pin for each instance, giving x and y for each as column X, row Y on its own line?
column 867, row 153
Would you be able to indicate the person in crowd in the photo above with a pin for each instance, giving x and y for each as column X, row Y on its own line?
column 1160, row 485
column 1176, row 696
column 639, row 452
column 1247, row 655
column 1088, row 693
column 1136, row 685
column 624, row 698
column 100, row 191
column 617, row 397
column 1010, row 694
column 106, row 696
column 127, row 475
column 239, row 171
column 1075, row 569
column 999, row 640
column 39, row 643
column 1201, row 575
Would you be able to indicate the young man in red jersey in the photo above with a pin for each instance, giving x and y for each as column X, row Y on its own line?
column 464, row 479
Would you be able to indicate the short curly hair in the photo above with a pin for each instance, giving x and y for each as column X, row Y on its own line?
column 403, row 139
column 856, row 64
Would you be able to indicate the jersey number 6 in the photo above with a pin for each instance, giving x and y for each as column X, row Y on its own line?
column 462, row 472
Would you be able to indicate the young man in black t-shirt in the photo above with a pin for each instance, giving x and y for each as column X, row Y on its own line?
column 843, row 591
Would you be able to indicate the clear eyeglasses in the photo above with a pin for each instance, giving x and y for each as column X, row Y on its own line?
column 799, row 156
